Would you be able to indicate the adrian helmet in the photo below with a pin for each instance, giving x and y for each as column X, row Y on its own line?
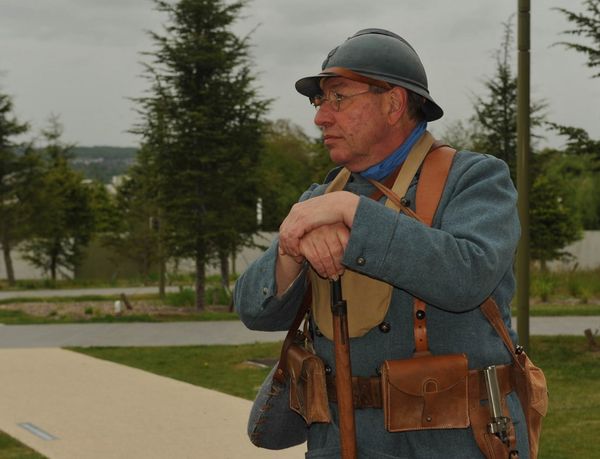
column 377, row 57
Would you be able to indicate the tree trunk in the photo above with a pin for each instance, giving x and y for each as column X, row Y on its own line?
column 224, row 270
column 200, row 280
column 233, row 257
column 10, row 271
column 162, row 280
column 53, row 268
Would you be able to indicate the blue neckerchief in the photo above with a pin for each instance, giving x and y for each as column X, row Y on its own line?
column 389, row 164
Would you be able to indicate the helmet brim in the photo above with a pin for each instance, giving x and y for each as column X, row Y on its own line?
column 310, row 86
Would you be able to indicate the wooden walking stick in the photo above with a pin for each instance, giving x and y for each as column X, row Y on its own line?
column 343, row 371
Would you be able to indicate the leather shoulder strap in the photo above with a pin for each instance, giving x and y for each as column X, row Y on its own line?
column 432, row 181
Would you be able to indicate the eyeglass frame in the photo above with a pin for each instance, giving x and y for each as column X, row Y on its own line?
column 336, row 100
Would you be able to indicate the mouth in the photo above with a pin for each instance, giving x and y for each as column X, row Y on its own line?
column 330, row 138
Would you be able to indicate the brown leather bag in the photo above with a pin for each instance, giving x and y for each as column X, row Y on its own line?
column 427, row 392
column 529, row 380
column 308, row 391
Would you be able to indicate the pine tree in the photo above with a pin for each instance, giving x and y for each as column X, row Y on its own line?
column 66, row 219
column 495, row 119
column 17, row 184
column 210, row 132
column 587, row 26
column 554, row 223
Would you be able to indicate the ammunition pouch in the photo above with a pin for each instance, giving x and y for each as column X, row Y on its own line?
column 425, row 393
column 308, row 391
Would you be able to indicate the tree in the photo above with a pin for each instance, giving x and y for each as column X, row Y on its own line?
column 578, row 165
column 17, row 174
column 211, row 121
column 554, row 221
column 66, row 221
column 587, row 25
column 135, row 233
column 291, row 161
column 495, row 116
column 554, row 226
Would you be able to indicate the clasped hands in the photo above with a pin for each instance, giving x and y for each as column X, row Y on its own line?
column 317, row 230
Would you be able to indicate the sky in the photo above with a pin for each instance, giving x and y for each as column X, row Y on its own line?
column 82, row 59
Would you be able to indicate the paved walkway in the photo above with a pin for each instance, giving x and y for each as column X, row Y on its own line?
column 132, row 334
column 116, row 291
column 197, row 333
column 70, row 406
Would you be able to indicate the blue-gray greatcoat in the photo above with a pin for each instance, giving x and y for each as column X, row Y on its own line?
column 466, row 256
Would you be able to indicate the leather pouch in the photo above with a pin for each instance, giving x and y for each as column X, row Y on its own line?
column 429, row 392
column 308, row 390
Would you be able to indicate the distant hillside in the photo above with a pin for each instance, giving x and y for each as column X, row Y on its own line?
column 102, row 162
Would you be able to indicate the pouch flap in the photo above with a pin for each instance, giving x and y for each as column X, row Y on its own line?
column 428, row 374
column 298, row 358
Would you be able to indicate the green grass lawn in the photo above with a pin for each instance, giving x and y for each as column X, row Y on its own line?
column 12, row 449
column 573, row 374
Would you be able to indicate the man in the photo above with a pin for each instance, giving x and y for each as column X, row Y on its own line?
column 373, row 106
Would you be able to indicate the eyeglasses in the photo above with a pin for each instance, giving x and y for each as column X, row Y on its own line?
column 334, row 99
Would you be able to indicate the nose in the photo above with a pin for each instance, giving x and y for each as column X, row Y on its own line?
column 324, row 116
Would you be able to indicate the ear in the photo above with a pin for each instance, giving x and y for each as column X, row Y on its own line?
column 398, row 99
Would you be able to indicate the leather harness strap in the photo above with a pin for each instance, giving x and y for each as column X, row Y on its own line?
column 434, row 174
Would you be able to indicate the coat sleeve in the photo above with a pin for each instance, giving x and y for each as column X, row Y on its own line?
column 254, row 296
column 458, row 262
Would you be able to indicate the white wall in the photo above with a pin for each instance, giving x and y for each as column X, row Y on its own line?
column 586, row 253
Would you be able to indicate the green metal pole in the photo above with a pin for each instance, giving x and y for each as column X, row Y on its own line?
column 523, row 180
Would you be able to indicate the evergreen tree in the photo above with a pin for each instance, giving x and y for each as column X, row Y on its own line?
column 495, row 118
column 136, row 236
column 554, row 221
column 66, row 219
column 578, row 165
column 587, row 26
column 17, row 185
column 212, row 121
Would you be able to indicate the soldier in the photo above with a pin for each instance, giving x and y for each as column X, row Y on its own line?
column 412, row 290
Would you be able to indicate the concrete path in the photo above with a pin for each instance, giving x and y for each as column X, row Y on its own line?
column 116, row 291
column 197, row 333
column 70, row 406
column 132, row 334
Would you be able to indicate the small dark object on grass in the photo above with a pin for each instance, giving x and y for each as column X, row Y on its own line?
column 126, row 302
column 592, row 344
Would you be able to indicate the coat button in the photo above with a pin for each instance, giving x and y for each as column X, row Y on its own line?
column 327, row 370
column 420, row 314
column 384, row 327
column 360, row 261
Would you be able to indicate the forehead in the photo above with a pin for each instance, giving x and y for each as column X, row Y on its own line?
column 337, row 83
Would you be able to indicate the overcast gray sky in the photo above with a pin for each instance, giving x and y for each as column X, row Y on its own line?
column 80, row 59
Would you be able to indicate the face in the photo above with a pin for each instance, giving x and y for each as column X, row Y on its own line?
column 360, row 134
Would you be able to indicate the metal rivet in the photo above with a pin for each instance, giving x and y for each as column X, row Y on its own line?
column 328, row 370
column 265, row 291
column 420, row 314
column 360, row 261
column 405, row 202
column 428, row 418
column 384, row 327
